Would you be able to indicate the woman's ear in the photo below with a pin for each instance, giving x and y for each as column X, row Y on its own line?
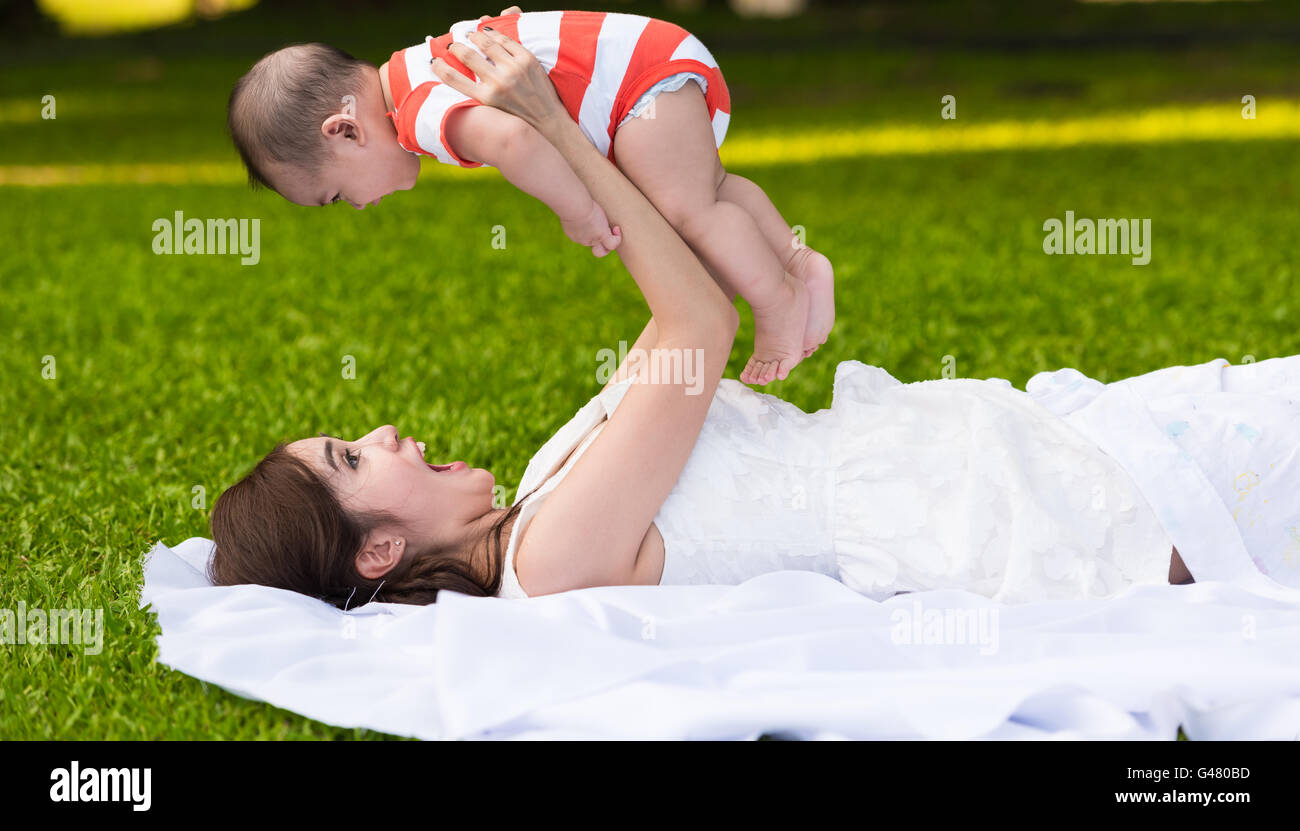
column 380, row 555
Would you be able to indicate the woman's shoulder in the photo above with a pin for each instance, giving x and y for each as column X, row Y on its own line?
column 532, row 503
column 547, row 467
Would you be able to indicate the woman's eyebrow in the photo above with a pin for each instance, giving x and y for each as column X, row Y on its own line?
column 329, row 452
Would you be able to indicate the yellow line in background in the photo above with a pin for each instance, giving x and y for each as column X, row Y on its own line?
column 1280, row 119
column 178, row 173
column 1275, row 119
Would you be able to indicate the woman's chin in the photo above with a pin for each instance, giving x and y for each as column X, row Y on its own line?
column 489, row 485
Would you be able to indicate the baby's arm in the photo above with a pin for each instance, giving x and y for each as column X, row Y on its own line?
column 529, row 162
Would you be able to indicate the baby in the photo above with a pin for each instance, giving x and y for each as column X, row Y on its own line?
column 319, row 126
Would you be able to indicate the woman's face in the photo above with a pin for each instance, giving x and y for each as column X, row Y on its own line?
column 380, row 472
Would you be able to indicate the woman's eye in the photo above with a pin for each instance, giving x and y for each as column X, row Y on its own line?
column 351, row 459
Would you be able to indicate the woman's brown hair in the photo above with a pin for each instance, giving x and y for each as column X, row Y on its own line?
column 282, row 526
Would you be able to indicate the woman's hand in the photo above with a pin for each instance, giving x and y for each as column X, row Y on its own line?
column 504, row 12
column 509, row 78
column 593, row 231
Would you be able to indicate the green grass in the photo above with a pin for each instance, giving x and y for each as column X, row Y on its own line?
column 181, row 371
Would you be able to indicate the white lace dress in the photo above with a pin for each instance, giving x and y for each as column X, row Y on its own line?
column 955, row 483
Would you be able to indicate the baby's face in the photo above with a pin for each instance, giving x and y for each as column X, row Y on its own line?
column 366, row 165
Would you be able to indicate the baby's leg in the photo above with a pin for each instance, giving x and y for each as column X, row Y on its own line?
column 798, row 259
column 673, row 158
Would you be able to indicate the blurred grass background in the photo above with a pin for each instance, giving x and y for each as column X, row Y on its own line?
column 177, row 372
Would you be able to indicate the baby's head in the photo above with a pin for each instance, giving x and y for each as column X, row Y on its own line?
column 310, row 123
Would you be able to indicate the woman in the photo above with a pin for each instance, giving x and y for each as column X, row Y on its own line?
column 1067, row 490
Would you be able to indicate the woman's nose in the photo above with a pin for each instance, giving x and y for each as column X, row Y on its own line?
column 383, row 435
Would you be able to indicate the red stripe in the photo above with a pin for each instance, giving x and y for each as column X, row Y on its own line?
column 405, row 121
column 576, row 58
column 438, row 49
column 719, row 96
column 508, row 26
column 399, row 82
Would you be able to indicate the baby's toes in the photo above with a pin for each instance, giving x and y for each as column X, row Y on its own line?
column 756, row 372
column 783, row 368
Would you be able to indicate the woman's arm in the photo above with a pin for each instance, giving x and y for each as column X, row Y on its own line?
column 592, row 525
column 649, row 335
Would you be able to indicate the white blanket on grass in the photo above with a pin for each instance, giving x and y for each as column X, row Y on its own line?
column 793, row 654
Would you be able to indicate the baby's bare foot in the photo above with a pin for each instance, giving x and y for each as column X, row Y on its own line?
column 779, row 325
column 818, row 276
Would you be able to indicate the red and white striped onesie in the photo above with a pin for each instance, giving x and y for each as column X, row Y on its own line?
column 600, row 63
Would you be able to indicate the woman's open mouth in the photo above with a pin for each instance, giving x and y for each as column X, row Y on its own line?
column 440, row 468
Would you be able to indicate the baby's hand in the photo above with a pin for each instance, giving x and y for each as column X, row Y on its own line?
column 593, row 231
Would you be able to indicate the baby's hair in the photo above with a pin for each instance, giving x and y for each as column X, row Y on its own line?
column 277, row 108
